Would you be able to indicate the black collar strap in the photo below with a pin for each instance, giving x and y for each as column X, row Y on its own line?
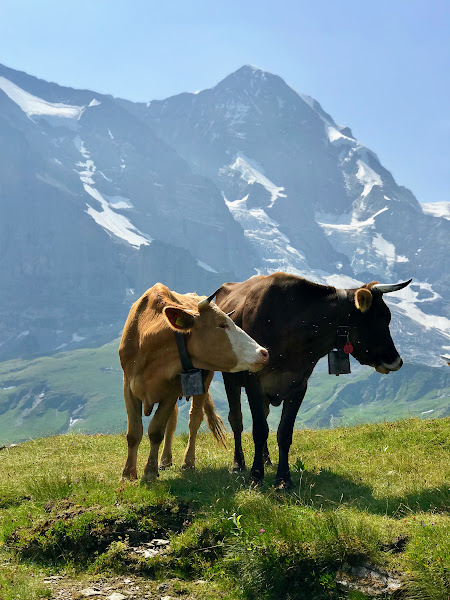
column 182, row 351
column 342, row 330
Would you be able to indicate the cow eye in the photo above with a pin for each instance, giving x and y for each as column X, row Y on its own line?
column 224, row 326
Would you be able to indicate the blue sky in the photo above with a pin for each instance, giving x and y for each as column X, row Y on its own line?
column 381, row 67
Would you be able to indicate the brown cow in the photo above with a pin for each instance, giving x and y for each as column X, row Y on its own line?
column 297, row 321
column 152, row 366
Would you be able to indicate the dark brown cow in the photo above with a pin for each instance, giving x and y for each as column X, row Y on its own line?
column 297, row 321
column 151, row 363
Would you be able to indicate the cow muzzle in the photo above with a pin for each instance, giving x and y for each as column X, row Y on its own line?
column 261, row 361
column 386, row 368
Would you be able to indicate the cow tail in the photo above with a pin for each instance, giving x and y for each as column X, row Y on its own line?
column 214, row 422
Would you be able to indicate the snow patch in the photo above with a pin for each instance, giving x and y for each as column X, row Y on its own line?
column 33, row 105
column 437, row 209
column 342, row 282
column 387, row 250
column 406, row 301
column 116, row 224
column 367, row 177
column 334, row 135
column 270, row 244
column 366, row 249
column 77, row 338
column 118, row 202
column 88, row 167
column 206, row 267
column 251, row 175
column 346, row 222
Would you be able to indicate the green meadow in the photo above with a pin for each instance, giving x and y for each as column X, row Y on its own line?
column 372, row 496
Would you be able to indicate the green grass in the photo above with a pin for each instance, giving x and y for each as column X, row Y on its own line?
column 38, row 397
column 372, row 494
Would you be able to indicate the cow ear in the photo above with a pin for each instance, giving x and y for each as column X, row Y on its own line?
column 363, row 299
column 179, row 319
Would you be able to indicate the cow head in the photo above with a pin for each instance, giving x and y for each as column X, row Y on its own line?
column 214, row 342
column 369, row 327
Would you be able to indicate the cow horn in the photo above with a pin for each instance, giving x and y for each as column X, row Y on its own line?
column 385, row 288
column 206, row 301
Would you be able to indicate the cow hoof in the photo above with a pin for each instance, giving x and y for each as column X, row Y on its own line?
column 149, row 478
column 283, row 484
column 256, row 478
column 185, row 467
column 167, row 465
column 239, row 468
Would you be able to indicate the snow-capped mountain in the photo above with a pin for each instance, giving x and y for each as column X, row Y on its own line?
column 101, row 197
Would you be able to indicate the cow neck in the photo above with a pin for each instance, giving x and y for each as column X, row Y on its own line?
column 186, row 362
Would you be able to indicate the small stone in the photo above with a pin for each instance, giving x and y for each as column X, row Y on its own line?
column 116, row 596
column 150, row 553
column 157, row 542
column 162, row 586
column 88, row 592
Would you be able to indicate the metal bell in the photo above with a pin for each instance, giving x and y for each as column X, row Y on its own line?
column 192, row 383
column 338, row 363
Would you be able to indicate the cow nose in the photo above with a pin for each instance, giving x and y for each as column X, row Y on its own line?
column 264, row 354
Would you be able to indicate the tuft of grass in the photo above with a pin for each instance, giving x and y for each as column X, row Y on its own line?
column 428, row 554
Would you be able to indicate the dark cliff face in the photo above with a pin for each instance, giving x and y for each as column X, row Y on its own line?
column 101, row 197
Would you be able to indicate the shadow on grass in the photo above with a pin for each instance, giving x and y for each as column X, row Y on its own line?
column 325, row 489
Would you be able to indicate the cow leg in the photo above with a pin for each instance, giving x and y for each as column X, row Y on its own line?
column 156, row 431
column 291, row 406
column 266, row 455
column 233, row 390
column 260, row 427
column 195, row 420
column 166, row 456
column 134, row 430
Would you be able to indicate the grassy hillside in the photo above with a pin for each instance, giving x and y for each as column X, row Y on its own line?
column 82, row 391
column 367, row 500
